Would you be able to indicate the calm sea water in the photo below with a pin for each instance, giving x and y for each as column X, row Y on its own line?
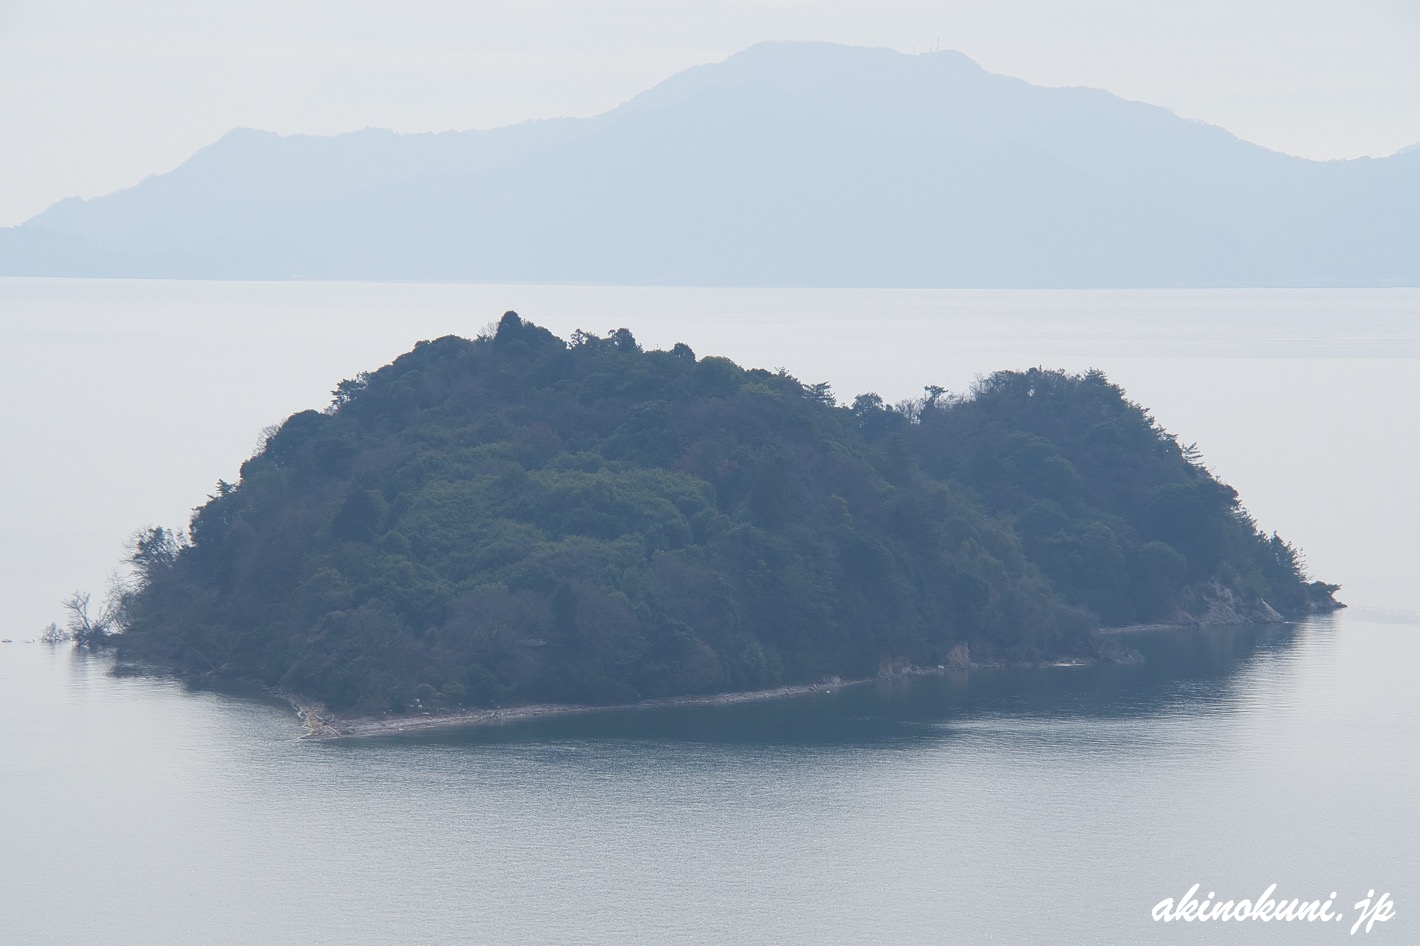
column 1010, row 807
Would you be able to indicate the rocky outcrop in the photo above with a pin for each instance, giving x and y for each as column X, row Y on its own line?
column 1217, row 603
column 1321, row 598
column 958, row 658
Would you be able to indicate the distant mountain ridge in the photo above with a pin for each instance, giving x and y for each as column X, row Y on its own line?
column 789, row 164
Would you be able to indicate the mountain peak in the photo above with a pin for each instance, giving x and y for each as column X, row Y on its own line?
column 789, row 163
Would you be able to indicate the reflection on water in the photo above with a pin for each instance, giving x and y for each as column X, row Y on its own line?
column 1008, row 806
column 1185, row 671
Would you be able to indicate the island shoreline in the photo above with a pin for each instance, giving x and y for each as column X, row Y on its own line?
column 321, row 724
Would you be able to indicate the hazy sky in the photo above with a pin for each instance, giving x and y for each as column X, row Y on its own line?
column 97, row 94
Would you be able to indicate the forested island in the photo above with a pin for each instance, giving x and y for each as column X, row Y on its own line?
column 520, row 519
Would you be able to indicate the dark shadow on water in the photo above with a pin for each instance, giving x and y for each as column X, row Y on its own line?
column 1189, row 671
column 87, row 662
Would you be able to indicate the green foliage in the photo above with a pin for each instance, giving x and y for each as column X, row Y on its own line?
column 1108, row 505
column 517, row 518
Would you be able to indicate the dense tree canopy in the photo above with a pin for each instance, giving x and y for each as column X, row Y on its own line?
column 518, row 518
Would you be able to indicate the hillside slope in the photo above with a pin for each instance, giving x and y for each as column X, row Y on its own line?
column 786, row 165
column 519, row 519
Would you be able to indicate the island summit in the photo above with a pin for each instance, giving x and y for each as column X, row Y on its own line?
column 518, row 519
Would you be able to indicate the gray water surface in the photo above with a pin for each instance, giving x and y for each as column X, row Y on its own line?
column 1017, row 807
column 1022, row 807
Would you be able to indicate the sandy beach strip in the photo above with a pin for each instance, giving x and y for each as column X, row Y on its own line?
column 320, row 723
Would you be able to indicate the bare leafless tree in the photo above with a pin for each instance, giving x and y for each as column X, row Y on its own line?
column 83, row 627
